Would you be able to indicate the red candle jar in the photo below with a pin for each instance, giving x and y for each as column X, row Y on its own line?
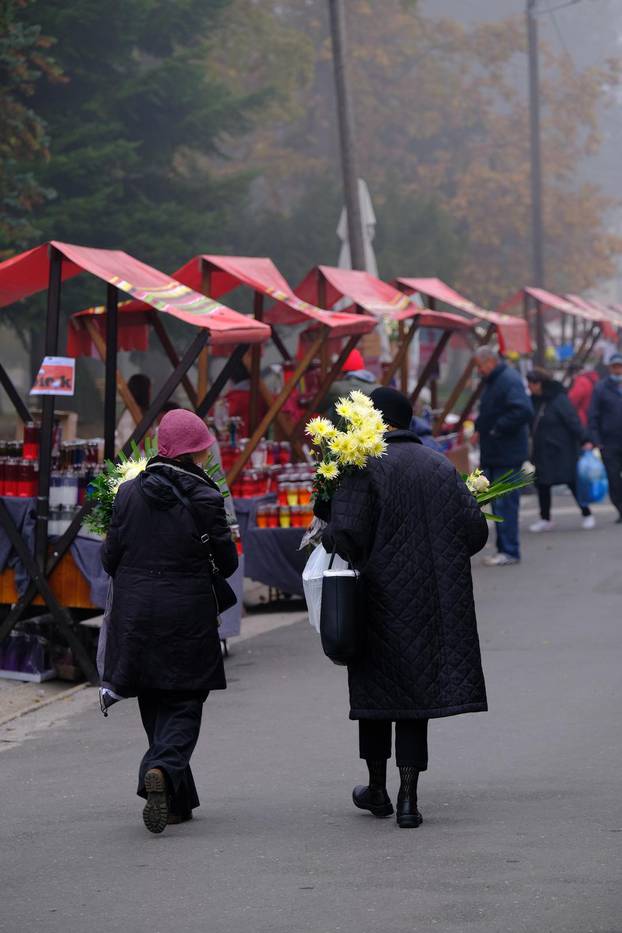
column 25, row 474
column 32, row 438
column 10, row 476
column 2, row 471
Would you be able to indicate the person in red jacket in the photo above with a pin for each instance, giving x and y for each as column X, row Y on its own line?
column 580, row 393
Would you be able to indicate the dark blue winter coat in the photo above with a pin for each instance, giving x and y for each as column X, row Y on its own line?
column 605, row 416
column 505, row 413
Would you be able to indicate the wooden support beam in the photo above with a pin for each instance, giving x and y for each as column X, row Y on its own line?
column 255, row 366
column 430, row 366
column 461, row 384
column 470, row 403
column 275, row 409
column 167, row 345
column 110, row 388
column 221, row 380
column 278, row 343
column 400, row 360
column 122, row 388
column 16, row 399
column 327, row 382
column 188, row 359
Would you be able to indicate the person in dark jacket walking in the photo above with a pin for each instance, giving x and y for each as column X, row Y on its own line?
column 605, row 428
column 502, row 427
column 410, row 526
column 557, row 438
column 163, row 644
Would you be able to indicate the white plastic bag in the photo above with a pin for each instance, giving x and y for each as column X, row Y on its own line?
column 312, row 577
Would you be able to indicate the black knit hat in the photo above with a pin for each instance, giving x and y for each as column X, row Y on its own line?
column 395, row 407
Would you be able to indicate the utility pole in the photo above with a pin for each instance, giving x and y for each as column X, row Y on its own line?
column 537, row 232
column 346, row 136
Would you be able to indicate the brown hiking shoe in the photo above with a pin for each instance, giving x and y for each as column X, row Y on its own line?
column 156, row 813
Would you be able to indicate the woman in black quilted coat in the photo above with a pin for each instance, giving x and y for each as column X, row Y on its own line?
column 163, row 644
column 410, row 526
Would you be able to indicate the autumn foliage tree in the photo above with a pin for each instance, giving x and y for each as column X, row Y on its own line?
column 442, row 121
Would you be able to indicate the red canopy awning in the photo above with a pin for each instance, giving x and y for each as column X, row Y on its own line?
column 221, row 274
column 376, row 297
column 512, row 332
column 28, row 273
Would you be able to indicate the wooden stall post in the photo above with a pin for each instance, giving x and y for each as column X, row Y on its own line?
column 430, row 366
column 47, row 420
column 110, row 385
column 169, row 349
column 461, row 384
column 400, row 360
column 275, row 408
column 327, row 382
column 100, row 345
column 258, row 309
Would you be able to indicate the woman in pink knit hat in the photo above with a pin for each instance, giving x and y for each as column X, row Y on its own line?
column 169, row 549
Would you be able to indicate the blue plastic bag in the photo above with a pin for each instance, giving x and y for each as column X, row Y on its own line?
column 592, row 485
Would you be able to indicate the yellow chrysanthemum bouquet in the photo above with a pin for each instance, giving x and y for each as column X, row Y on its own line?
column 360, row 435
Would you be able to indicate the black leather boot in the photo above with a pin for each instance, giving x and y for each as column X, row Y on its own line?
column 374, row 796
column 408, row 816
column 374, row 799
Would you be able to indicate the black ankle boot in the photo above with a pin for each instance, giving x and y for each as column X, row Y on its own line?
column 374, row 796
column 408, row 816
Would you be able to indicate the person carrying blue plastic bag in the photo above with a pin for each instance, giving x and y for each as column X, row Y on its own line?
column 557, row 436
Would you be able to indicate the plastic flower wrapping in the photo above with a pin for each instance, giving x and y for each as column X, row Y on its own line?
column 360, row 435
column 486, row 492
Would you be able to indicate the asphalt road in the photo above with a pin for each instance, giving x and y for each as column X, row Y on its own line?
column 523, row 819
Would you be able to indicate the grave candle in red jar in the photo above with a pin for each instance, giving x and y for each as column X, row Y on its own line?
column 2, row 471
column 24, row 478
column 10, row 477
column 32, row 437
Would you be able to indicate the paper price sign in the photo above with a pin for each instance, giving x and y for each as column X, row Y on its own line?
column 56, row 376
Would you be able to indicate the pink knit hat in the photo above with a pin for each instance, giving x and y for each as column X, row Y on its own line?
column 183, row 432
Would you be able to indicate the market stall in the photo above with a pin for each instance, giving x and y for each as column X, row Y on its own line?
column 324, row 333
column 329, row 285
column 45, row 268
column 588, row 321
column 512, row 334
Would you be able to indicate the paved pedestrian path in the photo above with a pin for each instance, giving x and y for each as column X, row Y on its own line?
column 523, row 820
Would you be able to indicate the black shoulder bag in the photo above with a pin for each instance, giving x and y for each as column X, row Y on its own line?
column 339, row 616
column 223, row 592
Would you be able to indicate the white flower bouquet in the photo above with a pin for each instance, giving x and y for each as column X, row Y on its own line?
column 485, row 491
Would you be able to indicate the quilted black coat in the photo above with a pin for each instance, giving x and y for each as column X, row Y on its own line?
column 410, row 525
column 163, row 630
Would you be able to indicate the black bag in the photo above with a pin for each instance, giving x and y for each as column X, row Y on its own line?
column 339, row 617
column 223, row 593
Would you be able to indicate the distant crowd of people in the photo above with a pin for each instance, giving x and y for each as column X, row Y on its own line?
column 550, row 426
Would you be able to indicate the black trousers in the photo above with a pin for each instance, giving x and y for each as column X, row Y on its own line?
column 172, row 721
column 411, row 741
column 612, row 458
column 544, row 498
